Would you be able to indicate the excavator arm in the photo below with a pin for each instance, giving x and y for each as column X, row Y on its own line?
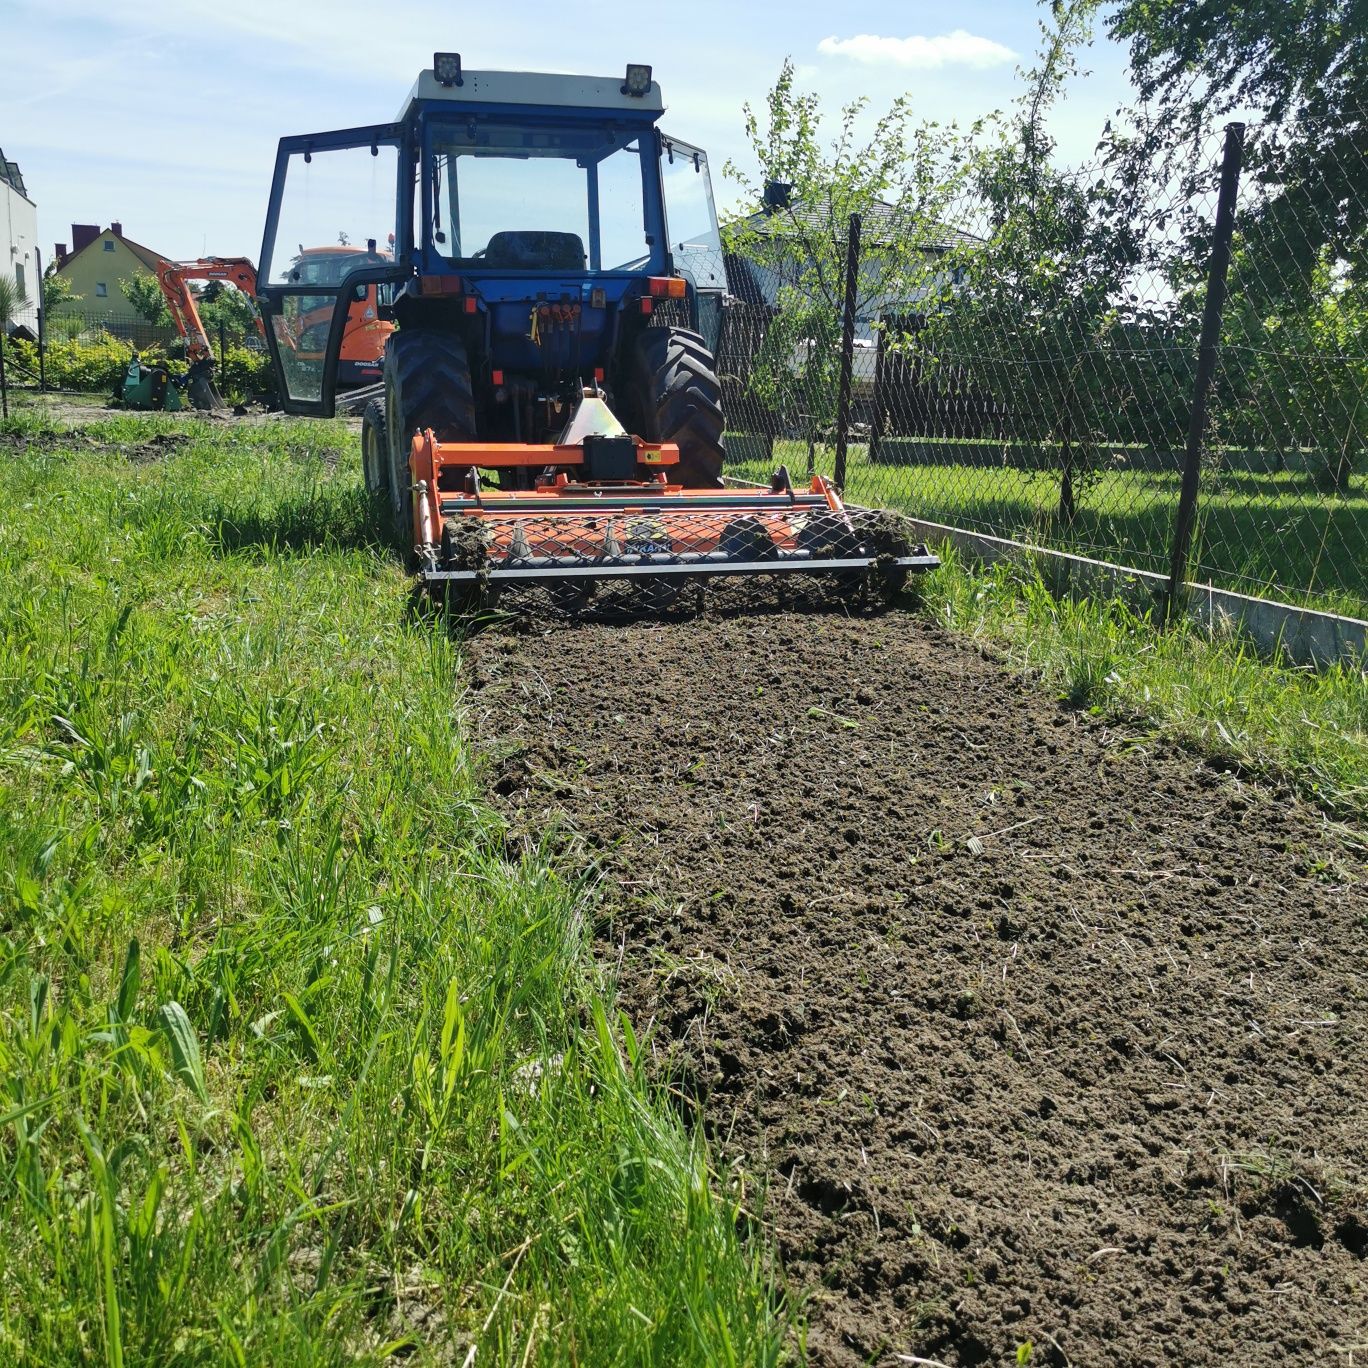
column 174, row 278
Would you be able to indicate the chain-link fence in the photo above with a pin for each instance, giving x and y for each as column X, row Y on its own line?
column 1038, row 377
column 87, row 351
column 70, row 324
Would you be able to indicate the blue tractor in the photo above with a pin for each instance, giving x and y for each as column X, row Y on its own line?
column 551, row 409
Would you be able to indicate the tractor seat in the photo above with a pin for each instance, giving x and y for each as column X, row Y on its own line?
column 535, row 250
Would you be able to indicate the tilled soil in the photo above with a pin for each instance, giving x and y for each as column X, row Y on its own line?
column 1042, row 1032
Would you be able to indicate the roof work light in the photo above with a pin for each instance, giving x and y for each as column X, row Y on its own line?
column 638, row 80
column 446, row 66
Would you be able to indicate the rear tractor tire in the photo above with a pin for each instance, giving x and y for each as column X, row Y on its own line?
column 673, row 395
column 427, row 385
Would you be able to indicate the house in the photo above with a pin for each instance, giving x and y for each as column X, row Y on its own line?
column 888, row 389
column 97, row 264
column 782, row 228
column 19, row 238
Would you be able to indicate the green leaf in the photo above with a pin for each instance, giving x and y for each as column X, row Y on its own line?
column 185, row 1050
column 129, row 981
column 453, row 1039
column 301, row 1019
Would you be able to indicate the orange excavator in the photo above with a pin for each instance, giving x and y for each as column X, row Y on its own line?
column 363, row 338
column 174, row 278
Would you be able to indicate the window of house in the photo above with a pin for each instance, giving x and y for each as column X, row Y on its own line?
column 19, row 279
column 109, row 244
column 101, row 290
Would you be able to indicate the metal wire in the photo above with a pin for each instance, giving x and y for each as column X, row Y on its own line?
column 1050, row 403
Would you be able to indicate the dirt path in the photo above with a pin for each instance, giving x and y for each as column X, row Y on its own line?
column 1041, row 1030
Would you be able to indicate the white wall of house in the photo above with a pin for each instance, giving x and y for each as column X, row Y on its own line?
column 19, row 245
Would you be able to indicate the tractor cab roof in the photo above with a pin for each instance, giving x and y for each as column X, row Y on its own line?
column 551, row 90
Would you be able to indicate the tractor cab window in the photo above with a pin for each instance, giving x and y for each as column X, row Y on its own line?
column 512, row 197
column 690, row 214
column 334, row 203
column 333, row 211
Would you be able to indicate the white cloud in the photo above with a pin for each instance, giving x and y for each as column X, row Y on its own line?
column 958, row 48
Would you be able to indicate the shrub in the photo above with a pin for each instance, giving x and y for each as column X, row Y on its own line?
column 96, row 364
column 246, row 374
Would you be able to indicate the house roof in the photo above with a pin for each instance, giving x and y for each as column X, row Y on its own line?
column 146, row 255
column 877, row 225
column 12, row 176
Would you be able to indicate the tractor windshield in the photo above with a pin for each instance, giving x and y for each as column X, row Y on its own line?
column 526, row 198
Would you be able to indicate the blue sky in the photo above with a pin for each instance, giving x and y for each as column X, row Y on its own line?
column 164, row 114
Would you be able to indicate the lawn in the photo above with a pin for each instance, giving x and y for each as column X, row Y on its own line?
column 302, row 1060
column 1275, row 535
column 298, row 1063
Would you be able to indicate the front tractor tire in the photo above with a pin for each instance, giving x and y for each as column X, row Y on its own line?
column 673, row 395
column 375, row 451
column 427, row 385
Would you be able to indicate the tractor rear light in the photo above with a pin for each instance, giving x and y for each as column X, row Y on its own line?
column 497, row 377
column 647, row 304
column 441, row 285
column 471, row 304
column 598, row 372
column 667, row 287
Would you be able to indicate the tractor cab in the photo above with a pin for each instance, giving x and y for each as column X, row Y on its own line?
column 530, row 212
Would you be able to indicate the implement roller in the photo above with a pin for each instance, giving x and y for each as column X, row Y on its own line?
column 610, row 506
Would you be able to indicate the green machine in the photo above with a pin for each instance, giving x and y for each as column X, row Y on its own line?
column 155, row 387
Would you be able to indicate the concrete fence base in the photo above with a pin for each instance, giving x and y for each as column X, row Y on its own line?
column 1302, row 635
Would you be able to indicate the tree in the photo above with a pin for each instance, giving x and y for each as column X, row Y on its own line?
column 1304, row 65
column 901, row 180
column 1297, row 377
column 145, row 295
column 13, row 302
column 1294, row 370
column 58, row 291
column 227, row 305
column 1038, row 316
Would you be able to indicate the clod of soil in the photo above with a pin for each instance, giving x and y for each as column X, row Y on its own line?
column 1041, row 1031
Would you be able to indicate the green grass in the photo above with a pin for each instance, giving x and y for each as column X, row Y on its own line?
column 1272, row 535
column 1303, row 727
column 297, row 1064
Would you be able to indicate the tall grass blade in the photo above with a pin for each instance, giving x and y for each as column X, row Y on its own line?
column 129, row 981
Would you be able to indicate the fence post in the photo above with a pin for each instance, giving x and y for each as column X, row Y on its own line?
column 878, row 419
column 42, row 324
column 1207, row 345
column 847, row 349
